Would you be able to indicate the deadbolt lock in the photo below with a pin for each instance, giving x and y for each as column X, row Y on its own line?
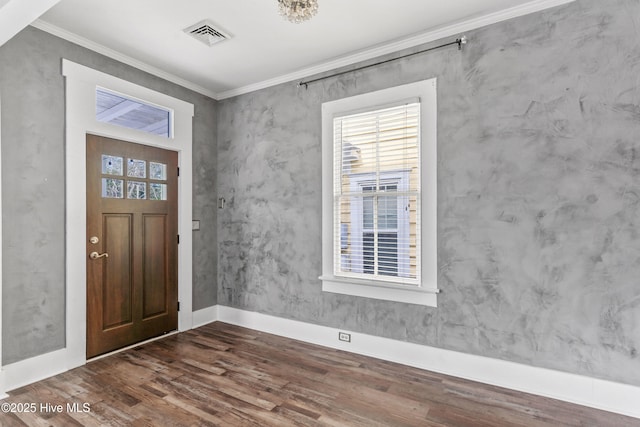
column 94, row 240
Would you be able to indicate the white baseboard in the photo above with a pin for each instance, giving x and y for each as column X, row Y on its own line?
column 28, row 371
column 586, row 391
column 204, row 316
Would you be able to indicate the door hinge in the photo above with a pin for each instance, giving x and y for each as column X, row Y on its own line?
column 178, row 239
column 178, row 305
column 178, row 171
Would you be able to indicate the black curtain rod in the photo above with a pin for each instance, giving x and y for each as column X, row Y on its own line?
column 460, row 41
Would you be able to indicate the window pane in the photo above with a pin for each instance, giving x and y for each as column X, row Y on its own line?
column 136, row 190
column 387, row 212
column 111, row 165
column 376, row 155
column 157, row 171
column 157, row 191
column 136, row 168
column 112, row 188
column 388, row 254
column 394, row 252
column 368, row 253
column 379, row 141
column 131, row 113
column 367, row 213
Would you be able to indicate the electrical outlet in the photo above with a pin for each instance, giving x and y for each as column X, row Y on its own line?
column 343, row 336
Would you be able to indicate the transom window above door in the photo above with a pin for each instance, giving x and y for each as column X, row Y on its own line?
column 121, row 110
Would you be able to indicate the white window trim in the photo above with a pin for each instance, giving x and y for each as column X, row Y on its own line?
column 80, row 85
column 426, row 292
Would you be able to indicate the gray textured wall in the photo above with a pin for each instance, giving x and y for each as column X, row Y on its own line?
column 539, row 195
column 33, row 198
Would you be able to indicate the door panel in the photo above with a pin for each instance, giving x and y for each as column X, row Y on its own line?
column 154, row 295
column 117, row 291
column 132, row 278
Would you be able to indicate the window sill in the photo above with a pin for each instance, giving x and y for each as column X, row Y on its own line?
column 386, row 292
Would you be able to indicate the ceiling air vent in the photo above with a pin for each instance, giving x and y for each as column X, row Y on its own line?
column 206, row 33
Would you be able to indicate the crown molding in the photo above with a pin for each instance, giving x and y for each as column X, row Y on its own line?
column 364, row 55
column 409, row 42
column 113, row 54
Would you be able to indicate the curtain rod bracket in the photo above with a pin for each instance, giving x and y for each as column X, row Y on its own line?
column 462, row 40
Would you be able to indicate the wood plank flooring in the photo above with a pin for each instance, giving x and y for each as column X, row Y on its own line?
column 224, row 375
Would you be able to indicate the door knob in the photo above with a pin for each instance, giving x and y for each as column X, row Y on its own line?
column 96, row 255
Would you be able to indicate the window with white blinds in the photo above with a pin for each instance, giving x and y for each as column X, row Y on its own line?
column 376, row 192
column 379, row 194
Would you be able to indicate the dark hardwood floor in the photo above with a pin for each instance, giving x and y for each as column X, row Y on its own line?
column 223, row 375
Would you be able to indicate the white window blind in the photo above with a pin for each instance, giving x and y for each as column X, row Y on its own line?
column 376, row 192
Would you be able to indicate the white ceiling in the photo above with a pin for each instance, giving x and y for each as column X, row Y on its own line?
column 264, row 48
column 17, row 14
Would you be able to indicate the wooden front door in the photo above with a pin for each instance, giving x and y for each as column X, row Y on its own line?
column 132, row 231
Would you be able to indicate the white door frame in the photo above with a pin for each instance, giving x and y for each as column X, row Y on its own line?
column 81, row 83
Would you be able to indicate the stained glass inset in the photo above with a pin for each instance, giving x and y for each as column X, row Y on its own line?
column 137, row 168
column 157, row 191
column 111, row 165
column 112, row 188
column 157, row 171
column 136, row 190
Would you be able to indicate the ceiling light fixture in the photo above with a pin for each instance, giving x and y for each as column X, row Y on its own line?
column 298, row 10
